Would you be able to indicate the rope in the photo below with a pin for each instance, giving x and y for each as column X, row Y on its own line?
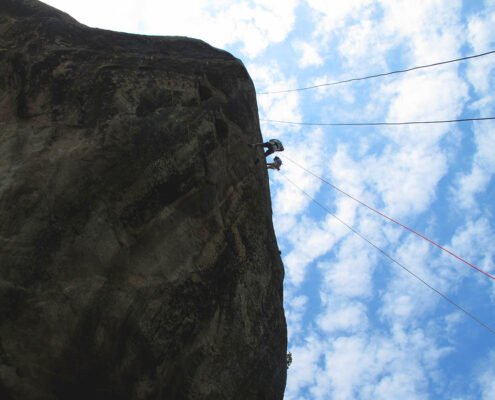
column 379, row 75
column 273, row 121
column 445, row 297
column 394, row 221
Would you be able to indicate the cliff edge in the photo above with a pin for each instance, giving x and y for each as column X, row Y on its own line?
column 137, row 253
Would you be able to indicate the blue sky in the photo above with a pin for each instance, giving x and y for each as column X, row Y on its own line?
column 359, row 326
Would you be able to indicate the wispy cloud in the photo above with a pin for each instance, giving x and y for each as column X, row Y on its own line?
column 388, row 366
column 348, row 317
column 486, row 378
column 254, row 24
column 308, row 54
column 475, row 241
column 303, row 370
column 401, row 177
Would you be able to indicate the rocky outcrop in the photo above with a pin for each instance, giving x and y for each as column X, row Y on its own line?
column 137, row 253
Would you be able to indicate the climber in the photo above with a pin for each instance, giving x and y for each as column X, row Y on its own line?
column 272, row 146
column 276, row 164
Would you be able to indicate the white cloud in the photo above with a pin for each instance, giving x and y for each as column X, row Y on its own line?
column 347, row 317
column 406, row 179
column 357, row 43
column 486, row 378
column 255, row 24
column 480, row 31
column 310, row 240
column 332, row 15
column 295, row 308
column 342, row 383
column 308, row 151
column 468, row 186
column 377, row 366
column 403, row 178
column 308, row 54
column 348, row 175
column 480, row 76
column 452, row 322
column 408, row 301
column 474, row 242
column 341, row 94
column 123, row 15
column 284, row 106
column 405, row 174
column 351, row 275
column 304, row 367
column 405, row 300
column 431, row 95
column 428, row 27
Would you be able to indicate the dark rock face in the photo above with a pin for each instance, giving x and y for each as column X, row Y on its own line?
column 137, row 254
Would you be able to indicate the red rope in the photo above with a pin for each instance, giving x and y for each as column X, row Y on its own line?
column 385, row 254
column 396, row 222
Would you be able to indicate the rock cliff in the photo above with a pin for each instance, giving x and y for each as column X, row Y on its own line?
column 137, row 253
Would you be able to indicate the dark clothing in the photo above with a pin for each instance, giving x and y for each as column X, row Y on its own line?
column 270, row 147
column 276, row 164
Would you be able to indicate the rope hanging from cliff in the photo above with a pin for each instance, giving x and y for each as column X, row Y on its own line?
column 393, row 220
column 447, row 121
column 379, row 75
column 385, row 254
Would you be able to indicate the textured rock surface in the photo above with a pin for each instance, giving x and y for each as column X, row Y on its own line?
column 137, row 254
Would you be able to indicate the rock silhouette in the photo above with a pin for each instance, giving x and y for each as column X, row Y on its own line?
column 137, row 252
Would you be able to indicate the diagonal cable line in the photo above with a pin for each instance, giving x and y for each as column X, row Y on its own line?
column 393, row 220
column 400, row 71
column 448, row 121
column 385, row 254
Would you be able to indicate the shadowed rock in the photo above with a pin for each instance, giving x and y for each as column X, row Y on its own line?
column 137, row 253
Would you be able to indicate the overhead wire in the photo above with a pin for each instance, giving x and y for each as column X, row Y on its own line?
column 448, row 121
column 385, row 254
column 400, row 71
column 446, row 298
column 451, row 253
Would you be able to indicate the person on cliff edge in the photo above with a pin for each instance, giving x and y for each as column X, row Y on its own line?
column 276, row 164
column 272, row 146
